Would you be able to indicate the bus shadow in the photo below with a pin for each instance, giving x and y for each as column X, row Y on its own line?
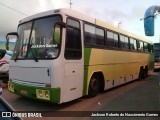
column 27, row 104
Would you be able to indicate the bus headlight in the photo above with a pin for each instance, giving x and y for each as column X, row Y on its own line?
column 46, row 93
column 43, row 94
column 10, row 86
column 40, row 93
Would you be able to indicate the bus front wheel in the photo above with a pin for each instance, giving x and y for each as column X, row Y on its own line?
column 93, row 87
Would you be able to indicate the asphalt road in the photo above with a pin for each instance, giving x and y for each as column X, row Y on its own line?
column 139, row 95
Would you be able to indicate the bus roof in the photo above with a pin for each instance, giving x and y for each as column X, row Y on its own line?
column 63, row 11
column 83, row 17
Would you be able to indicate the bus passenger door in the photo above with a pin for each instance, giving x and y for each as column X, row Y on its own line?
column 72, row 87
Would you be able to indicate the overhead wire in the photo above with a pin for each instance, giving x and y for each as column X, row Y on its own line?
column 13, row 9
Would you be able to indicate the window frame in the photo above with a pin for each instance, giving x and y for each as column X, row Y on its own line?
column 114, row 42
column 79, row 30
column 104, row 42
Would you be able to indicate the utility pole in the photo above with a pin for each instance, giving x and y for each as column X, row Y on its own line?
column 119, row 24
column 70, row 4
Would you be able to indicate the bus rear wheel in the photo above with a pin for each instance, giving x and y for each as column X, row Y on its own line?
column 146, row 72
column 141, row 73
column 93, row 87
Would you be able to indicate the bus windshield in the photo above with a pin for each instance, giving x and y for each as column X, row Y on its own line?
column 35, row 39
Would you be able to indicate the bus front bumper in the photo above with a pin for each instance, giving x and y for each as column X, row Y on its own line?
column 33, row 92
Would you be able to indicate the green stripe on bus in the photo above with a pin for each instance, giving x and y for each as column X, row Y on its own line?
column 87, row 53
column 31, row 92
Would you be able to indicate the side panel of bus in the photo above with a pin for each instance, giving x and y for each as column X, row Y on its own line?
column 117, row 67
column 73, row 65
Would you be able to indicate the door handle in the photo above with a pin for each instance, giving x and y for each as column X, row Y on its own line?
column 48, row 72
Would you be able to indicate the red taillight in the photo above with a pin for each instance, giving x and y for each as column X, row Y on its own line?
column 48, row 85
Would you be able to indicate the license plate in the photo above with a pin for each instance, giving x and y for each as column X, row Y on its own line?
column 24, row 92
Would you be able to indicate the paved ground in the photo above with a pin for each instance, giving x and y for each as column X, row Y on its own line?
column 144, row 98
column 143, row 95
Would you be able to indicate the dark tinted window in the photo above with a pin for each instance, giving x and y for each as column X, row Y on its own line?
column 73, row 23
column 146, row 47
column 124, row 42
column 112, row 39
column 140, row 45
column 100, row 36
column 115, row 40
column 73, row 48
column 133, row 44
column 89, row 34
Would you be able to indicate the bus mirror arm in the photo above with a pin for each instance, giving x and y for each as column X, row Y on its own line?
column 12, row 33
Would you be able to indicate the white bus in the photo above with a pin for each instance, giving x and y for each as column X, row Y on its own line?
column 61, row 55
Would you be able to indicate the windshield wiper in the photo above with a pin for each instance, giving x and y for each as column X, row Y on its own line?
column 18, row 53
column 33, row 54
column 20, row 50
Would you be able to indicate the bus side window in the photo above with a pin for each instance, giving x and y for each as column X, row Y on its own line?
column 126, row 43
column 100, row 37
column 115, row 40
column 110, row 40
column 89, row 34
column 150, row 48
column 135, row 44
column 140, row 46
column 73, row 46
column 146, row 47
column 132, row 44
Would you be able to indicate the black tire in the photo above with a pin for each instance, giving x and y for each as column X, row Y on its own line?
column 141, row 74
column 146, row 72
column 93, row 87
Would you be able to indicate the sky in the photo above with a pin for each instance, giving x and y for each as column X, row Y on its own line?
column 126, row 12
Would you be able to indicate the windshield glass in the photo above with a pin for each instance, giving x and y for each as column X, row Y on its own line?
column 36, row 39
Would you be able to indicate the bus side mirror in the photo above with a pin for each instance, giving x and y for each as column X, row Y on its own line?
column 9, row 37
column 57, row 32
